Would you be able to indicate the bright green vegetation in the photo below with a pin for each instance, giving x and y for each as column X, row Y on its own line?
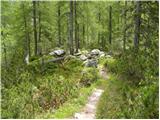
column 49, row 91
column 129, row 96
column 68, row 109
column 122, row 36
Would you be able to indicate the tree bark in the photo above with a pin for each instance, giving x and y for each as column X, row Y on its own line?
column 75, row 20
column 110, row 24
column 39, row 38
column 71, row 28
column 59, row 24
column 124, row 31
column 35, row 28
column 27, row 38
column 83, row 27
column 78, row 38
column 99, row 34
column 83, row 34
column 137, row 25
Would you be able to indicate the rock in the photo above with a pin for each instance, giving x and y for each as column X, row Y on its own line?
column 108, row 56
column 91, row 63
column 58, row 53
column 85, row 52
column 95, row 52
column 101, row 54
column 77, row 115
column 89, row 56
column 78, row 54
column 83, row 57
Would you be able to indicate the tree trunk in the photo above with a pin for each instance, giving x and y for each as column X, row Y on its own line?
column 124, row 33
column 99, row 34
column 75, row 20
column 71, row 28
column 78, row 38
column 110, row 24
column 83, row 27
column 59, row 23
column 35, row 28
column 137, row 25
column 39, row 38
column 83, row 35
column 27, row 38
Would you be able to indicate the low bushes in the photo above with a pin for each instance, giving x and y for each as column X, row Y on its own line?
column 111, row 64
column 123, row 100
column 89, row 75
column 43, row 88
column 36, row 91
column 133, row 92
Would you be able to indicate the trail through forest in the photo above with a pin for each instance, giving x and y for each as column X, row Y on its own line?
column 80, row 59
column 89, row 110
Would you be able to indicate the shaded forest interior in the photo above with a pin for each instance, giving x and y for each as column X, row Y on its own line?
column 51, row 50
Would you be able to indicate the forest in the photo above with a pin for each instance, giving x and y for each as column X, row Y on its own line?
column 79, row 59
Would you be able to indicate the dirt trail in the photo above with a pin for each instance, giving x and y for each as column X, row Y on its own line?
column 89, row 111
column 103, row 72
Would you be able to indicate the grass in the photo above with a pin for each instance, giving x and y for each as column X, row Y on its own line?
column 122, row 98
column 109, row 103
column 74, row 105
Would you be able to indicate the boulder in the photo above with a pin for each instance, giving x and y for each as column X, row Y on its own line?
column 89, row 56
column 58, row 53
column 83, row 57
column 108, row 56
column 101, row 54
column 85, row 52
column 91, row 63
column 78, row 54
column 95, row 52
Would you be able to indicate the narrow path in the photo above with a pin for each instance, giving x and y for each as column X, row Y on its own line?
column 89, row 111
column 103, row 72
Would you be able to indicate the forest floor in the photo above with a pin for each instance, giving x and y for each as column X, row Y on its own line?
column 89, row 110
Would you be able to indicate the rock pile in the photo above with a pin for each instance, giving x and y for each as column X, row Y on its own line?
column 90, row 59
column 57, row 53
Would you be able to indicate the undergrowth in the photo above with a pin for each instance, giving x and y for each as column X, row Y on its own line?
column 40, row 88
column 132, row 89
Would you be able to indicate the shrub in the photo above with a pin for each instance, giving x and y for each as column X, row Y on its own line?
column 89, row 75
column 122, row 100
column 111, row 64
column 35, row 93
column 17, row 101
column 56, row 90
